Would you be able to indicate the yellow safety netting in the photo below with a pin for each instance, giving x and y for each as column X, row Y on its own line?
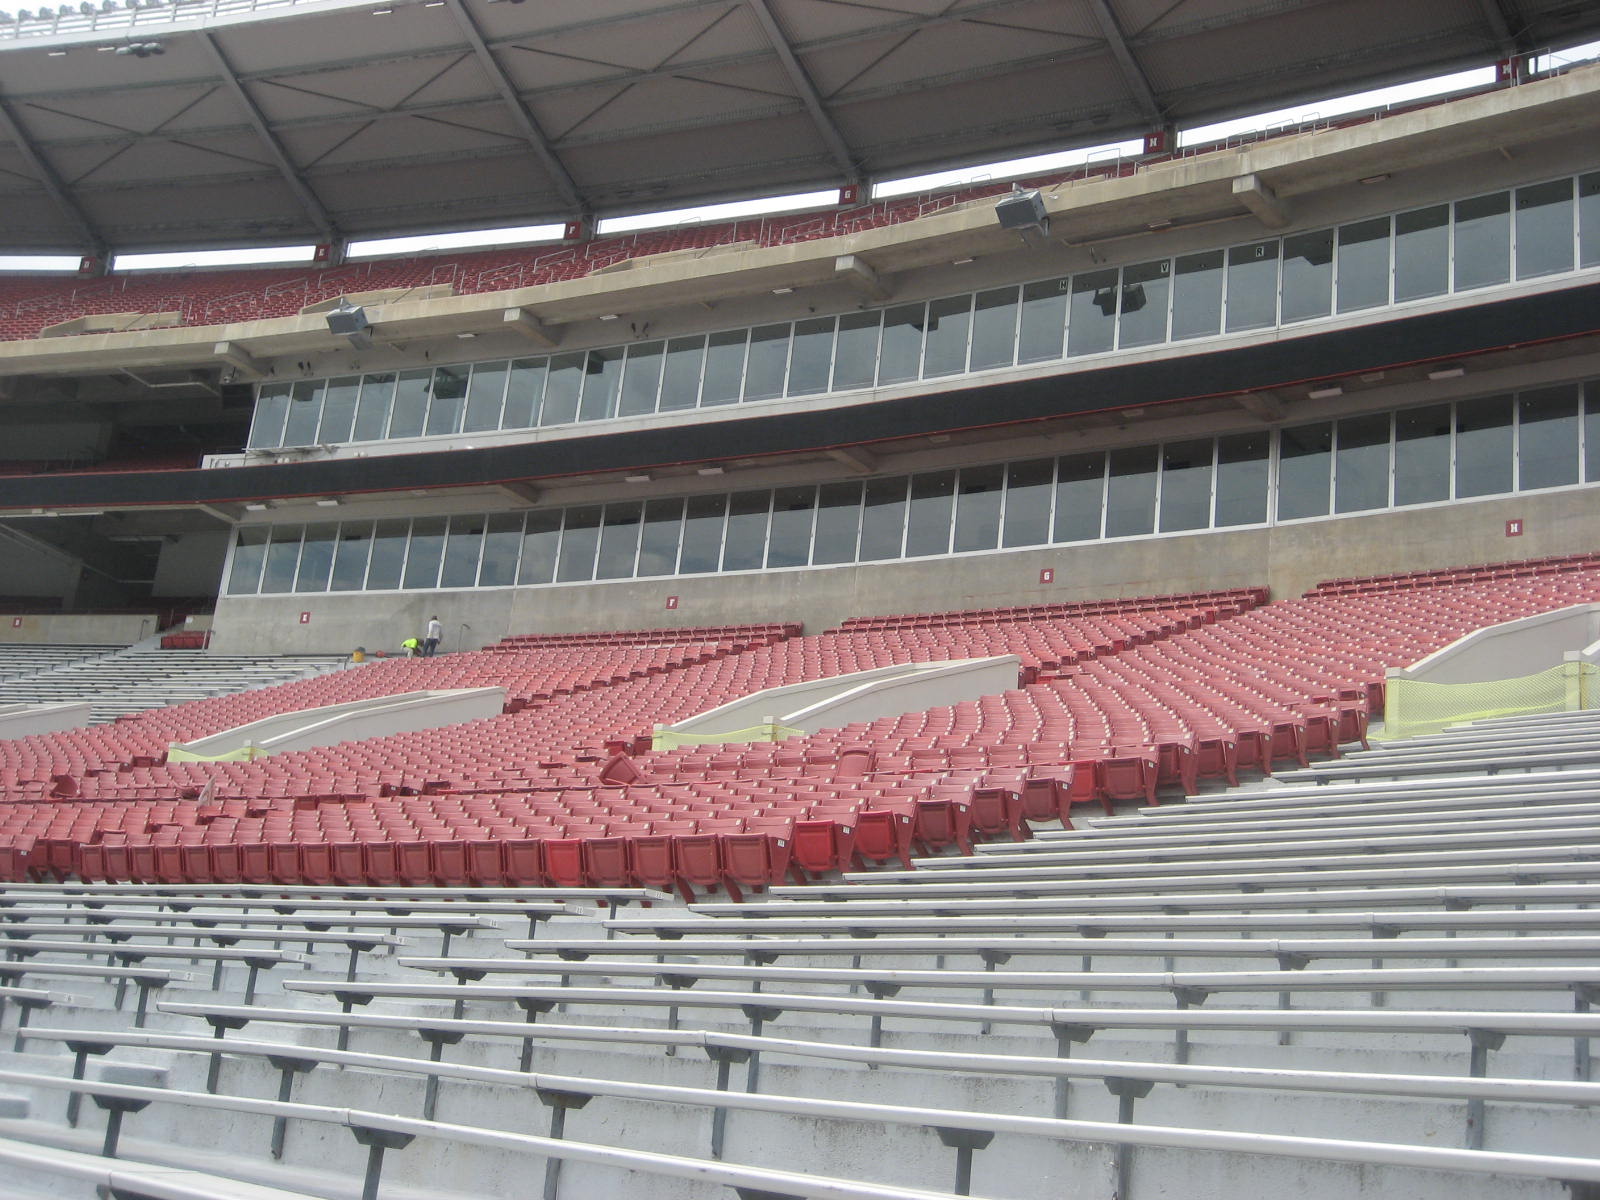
column 767, row 731
column 243, row 754
column 1413, row 708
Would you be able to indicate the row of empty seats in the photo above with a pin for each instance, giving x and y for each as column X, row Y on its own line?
column 1349, row 988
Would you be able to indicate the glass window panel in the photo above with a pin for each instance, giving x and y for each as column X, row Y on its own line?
column 811, row 361
column 410, row 404
column 1361, row 470
column 642, row 380
column 1363, row 264
column 449, row 400
column 793, row 509
column 1080, row 496
column 745, row 544
column 305, row 414
column 485, row 396
column 388, row 555
column 602, row 379
column 1589, row 220
column 658, row 540
column 372, row 412
column 524, row 393
column 1305, row 455
column 1422, row 253
column 1144, row 303
column 1547, row 437
column 724, row 372
column 949, row 325
column 283, row 553
column 249, row 551
column 838, row 523
column 462, row 548
column 901, row 354
column 1028, row 488
column 350, row 557
column 703, row 522
column 978, row 496
column 1197, row 295
column 1044, row 320
column 994, row 329
column 1483, row 446
column 316, row 558
column 855, row 357
column 563, row 382
column 272, row 408
column 424, row 552
column 339, row 409
column 1307, row 275
column 1591, row 431
column 619, row 540
column 502, row 540
column 1483, row 241
column 1544, row 229
column 580, row 537
column 768, row 362
column 1243, row 465
column 680, row 378
column 1422, row 455
column 1131, row 491
column 1092, row 324
column 928, row 520
column 1252, row 286
column 541, row 538
column 1186, row 485
column 883, row 518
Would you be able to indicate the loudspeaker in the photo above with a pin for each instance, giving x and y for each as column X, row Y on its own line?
column 347, row 321
column 1020, row 210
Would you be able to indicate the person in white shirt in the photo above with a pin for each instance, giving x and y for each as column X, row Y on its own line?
column 430, row 641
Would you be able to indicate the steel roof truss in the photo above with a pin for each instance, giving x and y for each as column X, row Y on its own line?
column 566, row 186
column 319, row 215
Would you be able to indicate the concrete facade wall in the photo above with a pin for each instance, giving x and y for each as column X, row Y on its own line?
column 70, row 629
column 1288, row 558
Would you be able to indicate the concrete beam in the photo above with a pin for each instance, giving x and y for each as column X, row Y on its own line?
column 240, row 359
column 530, row 327
column 1265, row 407
column 858, row 460
column 861, row 275
column 1261, row 200
column 519, row 490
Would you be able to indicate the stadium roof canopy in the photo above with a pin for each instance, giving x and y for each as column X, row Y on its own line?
column 330, row 120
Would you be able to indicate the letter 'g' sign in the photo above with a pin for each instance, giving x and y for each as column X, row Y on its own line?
column 1047, row 575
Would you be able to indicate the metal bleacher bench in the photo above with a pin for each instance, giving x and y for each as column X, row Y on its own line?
column 725, row 1049
column 381, row 1133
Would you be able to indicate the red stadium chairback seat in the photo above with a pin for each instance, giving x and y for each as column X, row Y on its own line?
column 1217, row 758
column 854, row 763
column 823, row 845
column 753, row 860
column 605, row 862
column 1129, row 774
column 563, row 861
column 1047, row 793
column 696, row 862
column 619, row 771
column 882, row 836
column 524, row 862
column 1289, row 742
column 650, row 860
